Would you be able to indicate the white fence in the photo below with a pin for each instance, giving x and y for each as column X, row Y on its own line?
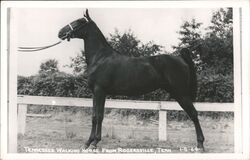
column 24, row 101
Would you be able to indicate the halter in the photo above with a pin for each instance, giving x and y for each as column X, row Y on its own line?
column 71, row 27
column 76, row 27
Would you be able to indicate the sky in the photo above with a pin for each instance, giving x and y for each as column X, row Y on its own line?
column 40, row 27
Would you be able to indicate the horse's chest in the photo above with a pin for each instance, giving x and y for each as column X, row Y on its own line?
column 99, row 76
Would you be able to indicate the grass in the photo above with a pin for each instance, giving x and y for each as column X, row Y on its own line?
column 127, row 113
column 70, row 130
column 70, row 134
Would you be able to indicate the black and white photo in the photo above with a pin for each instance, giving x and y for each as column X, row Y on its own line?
column 125, row 79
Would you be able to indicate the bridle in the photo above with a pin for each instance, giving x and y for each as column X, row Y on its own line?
column 70, row 26
column 73, row 29
column 33, row 49
column 77, row 27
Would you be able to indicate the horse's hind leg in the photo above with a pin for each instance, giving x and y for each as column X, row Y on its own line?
column 187, row 105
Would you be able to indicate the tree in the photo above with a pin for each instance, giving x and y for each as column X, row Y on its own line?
column 190, row 35
column 128, row 44
column 217, row 78
column 78, row 63
column 49, row 67
column 222, row 23
column 219, row 42
column 191, row 38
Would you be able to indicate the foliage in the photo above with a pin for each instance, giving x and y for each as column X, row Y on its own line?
column 24, row 85
column 190, row 36
column 219, row 42
column 49, row 67
column 52, row 82
column 128, row 44
column 214, row 87
column 78, row 63
column 218, row 61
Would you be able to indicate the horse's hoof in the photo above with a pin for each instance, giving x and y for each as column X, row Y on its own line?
column 92, row 146
column 85, row 146
column 200, row 150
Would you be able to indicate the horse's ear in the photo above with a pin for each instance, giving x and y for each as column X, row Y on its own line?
column 86, row 15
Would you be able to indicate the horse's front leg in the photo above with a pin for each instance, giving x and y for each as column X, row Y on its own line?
column 93, row 129
column 99, row 101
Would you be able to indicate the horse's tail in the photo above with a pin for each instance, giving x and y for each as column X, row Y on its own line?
column 186, row 55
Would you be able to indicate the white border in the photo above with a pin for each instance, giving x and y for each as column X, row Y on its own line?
column 4, row 81
column 246, row 79
column 244, row 4
column 237, row 78
column 12, row 85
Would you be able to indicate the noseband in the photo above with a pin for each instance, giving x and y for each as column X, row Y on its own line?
column 77, row 27
column 71, row 27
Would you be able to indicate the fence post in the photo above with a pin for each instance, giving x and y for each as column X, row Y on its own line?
column 21, row 118
column 162, row 124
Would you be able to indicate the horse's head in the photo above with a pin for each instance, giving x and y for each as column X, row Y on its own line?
column 75, row 29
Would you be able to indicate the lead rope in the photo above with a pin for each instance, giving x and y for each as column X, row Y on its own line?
column 33, row 49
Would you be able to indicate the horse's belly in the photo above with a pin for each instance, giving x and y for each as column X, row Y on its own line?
column 131, row 91
column 139, row 91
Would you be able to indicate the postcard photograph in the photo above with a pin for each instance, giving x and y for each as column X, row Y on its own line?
column 119, row 81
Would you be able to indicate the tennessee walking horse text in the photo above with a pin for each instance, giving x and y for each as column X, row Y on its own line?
column 112, row 73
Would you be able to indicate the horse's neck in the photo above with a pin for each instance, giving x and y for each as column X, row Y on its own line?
column 96, row 45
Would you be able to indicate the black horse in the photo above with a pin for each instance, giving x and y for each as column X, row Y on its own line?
column 111, row 73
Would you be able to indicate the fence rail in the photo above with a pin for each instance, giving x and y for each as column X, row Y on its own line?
column 23, row 102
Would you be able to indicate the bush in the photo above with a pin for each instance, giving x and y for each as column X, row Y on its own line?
column 58, row 84
column 24, row 85
column 215, row 87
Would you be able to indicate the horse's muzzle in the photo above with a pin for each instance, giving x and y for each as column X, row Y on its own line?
column 65, row 36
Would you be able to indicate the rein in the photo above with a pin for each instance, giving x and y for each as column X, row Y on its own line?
column 33, row 49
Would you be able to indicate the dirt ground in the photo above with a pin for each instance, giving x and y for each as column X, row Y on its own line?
column 66, row 133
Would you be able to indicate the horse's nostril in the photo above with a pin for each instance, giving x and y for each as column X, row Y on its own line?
column 59, row 34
